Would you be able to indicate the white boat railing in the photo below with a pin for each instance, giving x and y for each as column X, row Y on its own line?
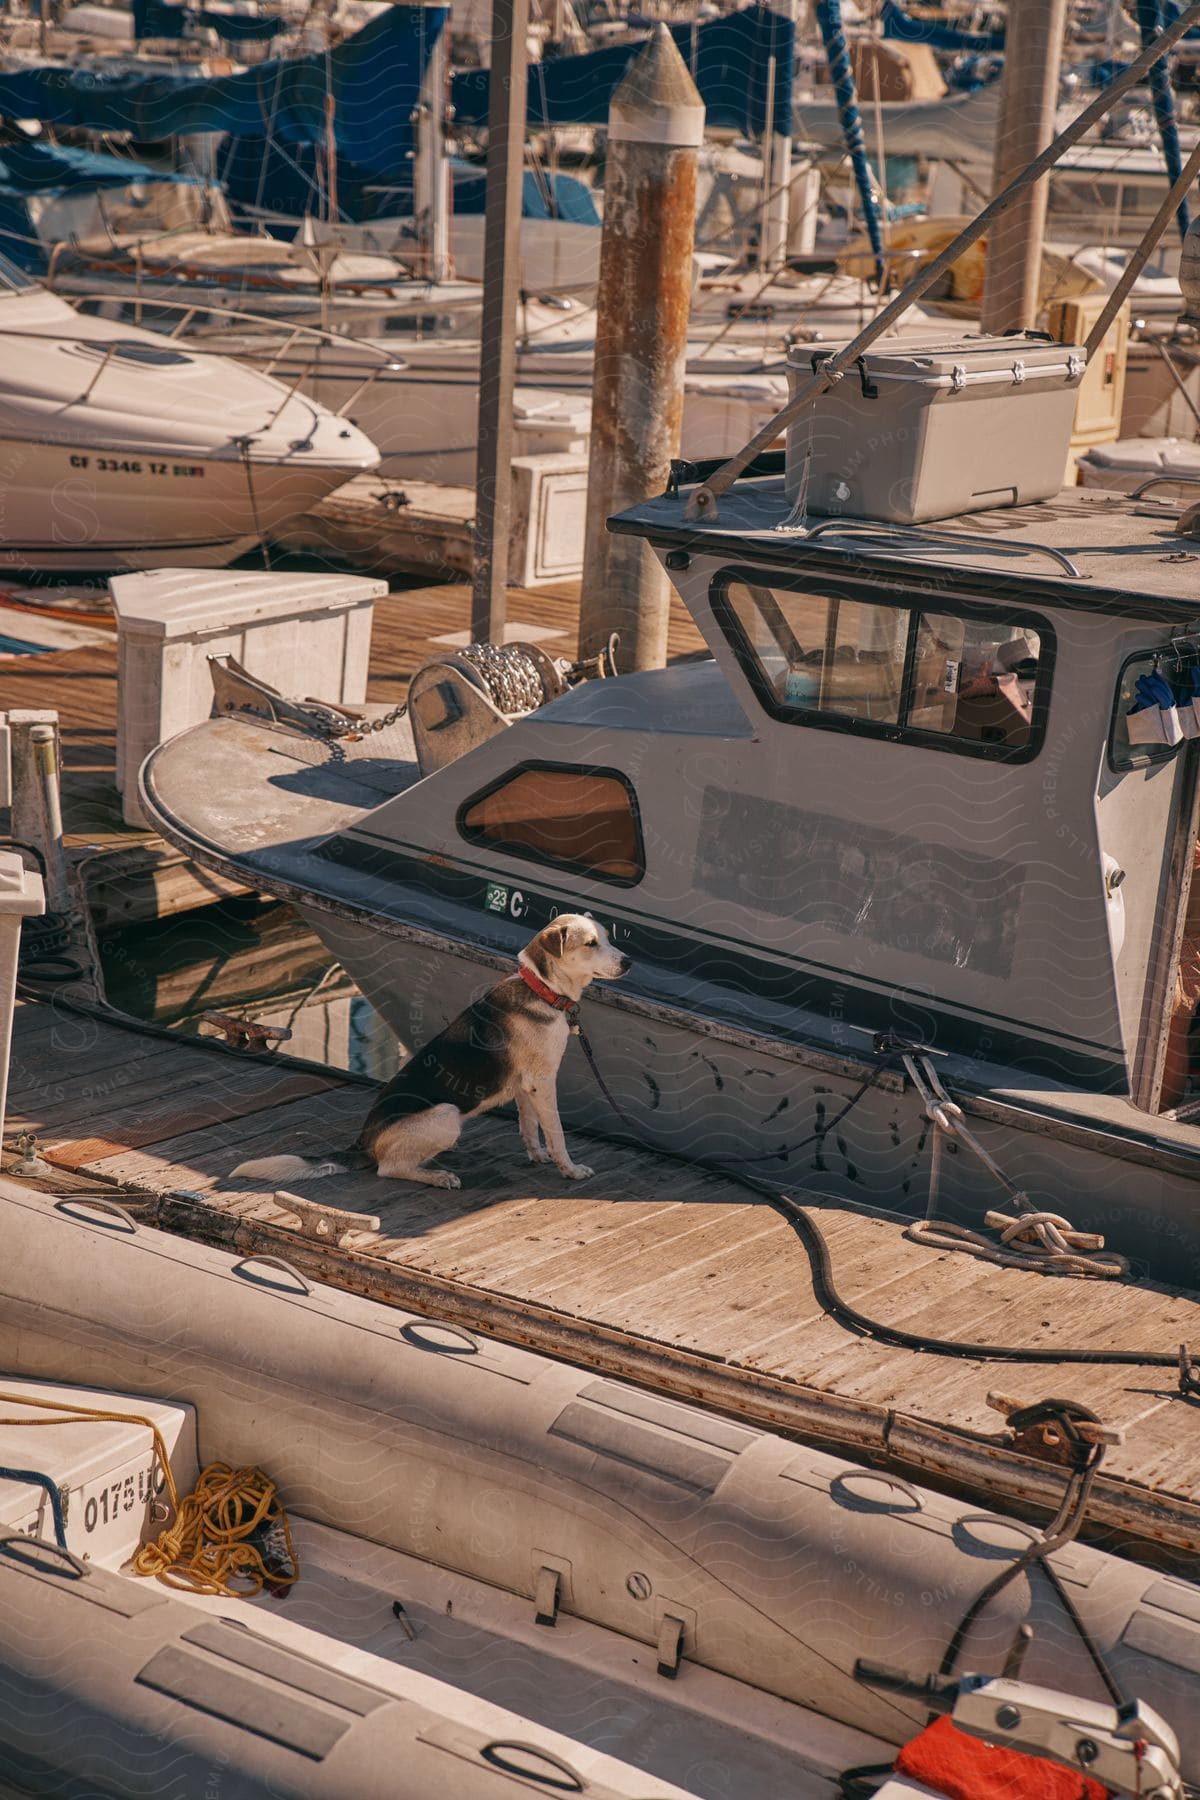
column 387, row 360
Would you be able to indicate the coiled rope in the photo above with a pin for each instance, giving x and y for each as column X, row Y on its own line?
column 1042, row 1241
column 209, row 1547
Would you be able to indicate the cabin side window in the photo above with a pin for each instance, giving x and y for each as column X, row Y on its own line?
column 831, row 658
column 1157, row 705
column 580, row 819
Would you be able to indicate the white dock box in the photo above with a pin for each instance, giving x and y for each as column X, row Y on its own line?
column 936, row 429
column 106, row 1471
column 305, row 634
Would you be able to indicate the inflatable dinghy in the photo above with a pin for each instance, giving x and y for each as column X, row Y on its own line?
column 633, row 1581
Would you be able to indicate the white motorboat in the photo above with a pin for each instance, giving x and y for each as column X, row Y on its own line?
column 122, row 450
column 513, row 1576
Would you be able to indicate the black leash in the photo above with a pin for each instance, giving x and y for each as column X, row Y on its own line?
column 817, row 1250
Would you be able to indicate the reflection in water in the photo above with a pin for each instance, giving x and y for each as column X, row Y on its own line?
column 255, row 959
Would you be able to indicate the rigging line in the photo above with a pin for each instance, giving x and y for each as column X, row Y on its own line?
column 270, row 137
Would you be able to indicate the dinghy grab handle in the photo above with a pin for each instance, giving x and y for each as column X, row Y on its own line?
column 14, row 1543
column 100, row 1203
column 951, row 539
column 419, row 1333
column 271, row 1262
column 500, row 1753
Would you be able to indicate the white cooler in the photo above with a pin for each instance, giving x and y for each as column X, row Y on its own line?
column 112, row 1489
column 938, row 429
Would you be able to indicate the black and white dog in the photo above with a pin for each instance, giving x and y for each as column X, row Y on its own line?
column 507, row 1046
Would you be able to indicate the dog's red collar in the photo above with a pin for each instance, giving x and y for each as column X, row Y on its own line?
column 560, row 1002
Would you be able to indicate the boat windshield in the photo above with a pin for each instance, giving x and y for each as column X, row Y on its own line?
column 970, row 681
column 12, row 279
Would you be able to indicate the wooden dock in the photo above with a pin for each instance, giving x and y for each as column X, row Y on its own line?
column 666, row 1275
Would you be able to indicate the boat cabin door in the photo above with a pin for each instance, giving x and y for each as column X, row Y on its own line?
column 1167, row 1063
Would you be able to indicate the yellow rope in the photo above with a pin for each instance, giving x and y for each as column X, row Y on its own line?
column 205, row 1549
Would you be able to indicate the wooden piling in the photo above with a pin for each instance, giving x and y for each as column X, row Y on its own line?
column 655, row 127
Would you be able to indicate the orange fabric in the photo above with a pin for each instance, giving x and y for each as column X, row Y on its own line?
column 968, row 1768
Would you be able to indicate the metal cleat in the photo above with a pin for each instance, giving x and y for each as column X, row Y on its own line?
column 1051, row 1431
column 246, row 1034
column 324, row 1224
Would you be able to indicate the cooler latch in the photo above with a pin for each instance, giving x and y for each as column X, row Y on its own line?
column 958, row 378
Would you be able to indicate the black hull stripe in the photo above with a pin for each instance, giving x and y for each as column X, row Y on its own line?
column 854, row 1002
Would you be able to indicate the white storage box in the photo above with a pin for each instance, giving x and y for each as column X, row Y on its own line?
column 938, row 429
column 106, row 1471
column 305, row 634
column 1129, row 462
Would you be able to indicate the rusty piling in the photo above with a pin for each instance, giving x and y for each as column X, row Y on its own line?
column 655, row 127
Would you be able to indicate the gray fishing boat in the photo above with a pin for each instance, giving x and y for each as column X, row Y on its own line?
column 902, row 863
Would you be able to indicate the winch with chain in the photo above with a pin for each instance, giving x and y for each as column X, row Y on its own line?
column 454, row 701
column 464, row 698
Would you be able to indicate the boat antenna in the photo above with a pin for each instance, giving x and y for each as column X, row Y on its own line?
column 703, row 503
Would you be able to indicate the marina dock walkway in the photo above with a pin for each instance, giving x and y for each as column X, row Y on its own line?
column 667, row 1275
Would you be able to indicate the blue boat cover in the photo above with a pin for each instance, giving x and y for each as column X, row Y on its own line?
column 728, row 59
column 286, row 185
column 27, row 169
column 374, row 77
column 899, row 25
column 33, row 168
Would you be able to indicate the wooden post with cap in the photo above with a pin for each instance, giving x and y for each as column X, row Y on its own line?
column 655, row 128
column 507, row 90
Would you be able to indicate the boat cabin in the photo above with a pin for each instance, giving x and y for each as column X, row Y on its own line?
column 902, row 793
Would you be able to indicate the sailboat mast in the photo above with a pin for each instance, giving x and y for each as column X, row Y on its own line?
column 777, row 160
column 431, row 168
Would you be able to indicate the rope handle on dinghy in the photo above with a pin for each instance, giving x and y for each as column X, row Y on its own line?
column 817, row 1250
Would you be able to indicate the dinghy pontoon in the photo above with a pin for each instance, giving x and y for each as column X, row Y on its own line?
column 513, row 1576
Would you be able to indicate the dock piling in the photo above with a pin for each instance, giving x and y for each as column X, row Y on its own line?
column 655, row 127
column 36, row 797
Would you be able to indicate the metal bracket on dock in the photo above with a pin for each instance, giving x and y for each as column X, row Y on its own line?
column 246, row 1034
column 324, row 1224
